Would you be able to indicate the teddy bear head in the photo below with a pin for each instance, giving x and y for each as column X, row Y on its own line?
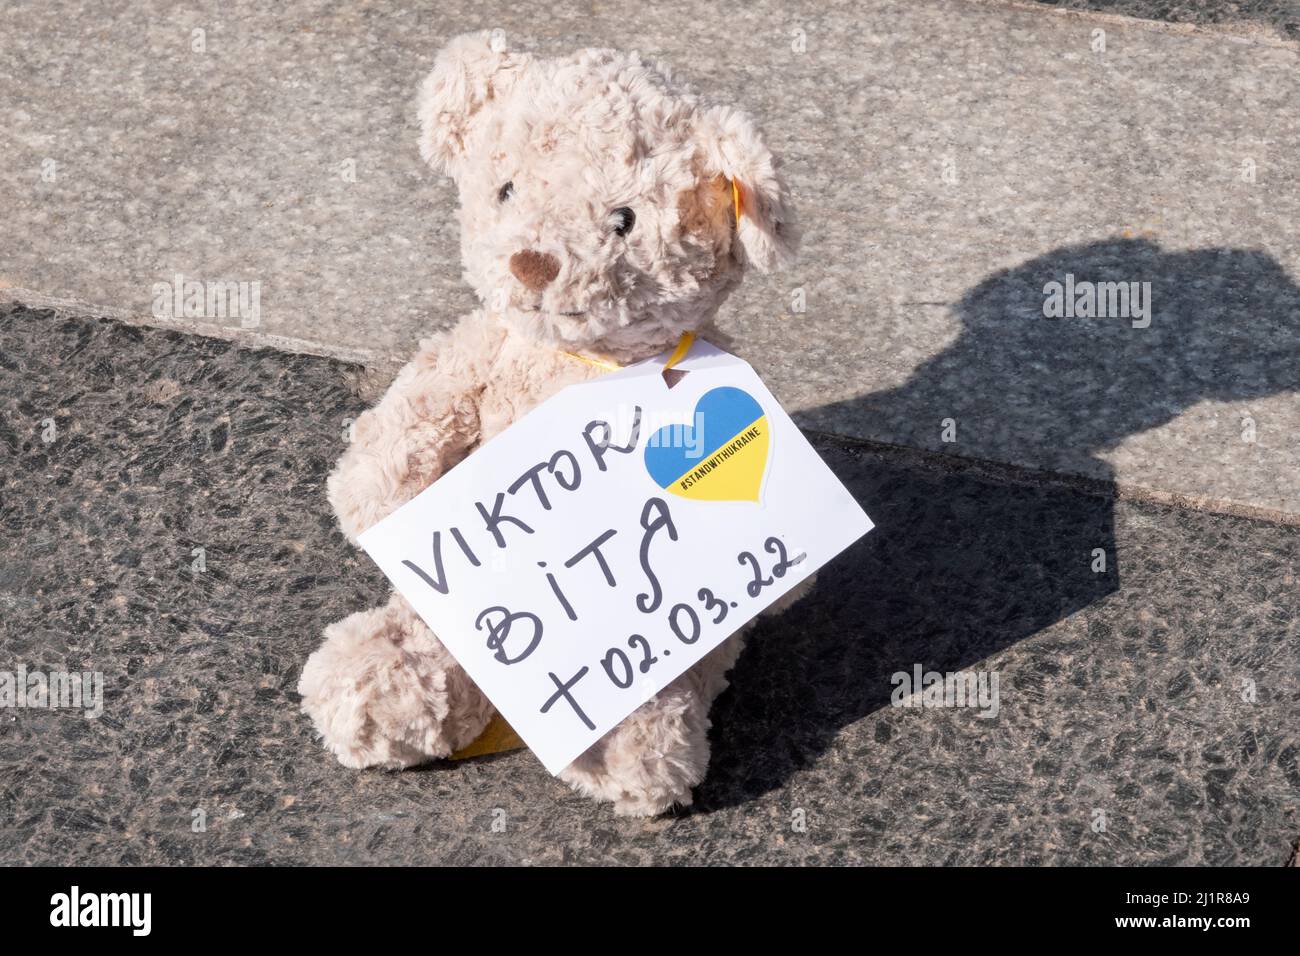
column 598, row 196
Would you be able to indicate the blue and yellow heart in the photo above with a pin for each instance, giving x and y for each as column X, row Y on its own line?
column 722, row 457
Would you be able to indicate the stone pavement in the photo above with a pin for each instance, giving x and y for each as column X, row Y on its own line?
column 949, row 160
column 1146, row 712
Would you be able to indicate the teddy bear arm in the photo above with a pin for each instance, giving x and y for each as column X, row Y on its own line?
column 427, row 421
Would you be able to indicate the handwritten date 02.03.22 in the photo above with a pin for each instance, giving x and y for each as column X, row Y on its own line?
column 686, row 622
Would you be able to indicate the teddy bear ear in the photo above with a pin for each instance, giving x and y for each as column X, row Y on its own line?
column 766, row 234
column 473, row 73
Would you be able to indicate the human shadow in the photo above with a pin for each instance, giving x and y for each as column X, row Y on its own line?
column 962, row 565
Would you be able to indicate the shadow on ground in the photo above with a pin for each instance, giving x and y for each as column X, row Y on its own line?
column 960, row 568
column 1279, row 16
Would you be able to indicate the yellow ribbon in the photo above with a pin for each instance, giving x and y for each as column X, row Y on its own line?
column 592, row 360
column 498, row 736
column 683, row 346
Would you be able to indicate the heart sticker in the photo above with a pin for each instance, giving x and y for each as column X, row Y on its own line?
column 722, row 457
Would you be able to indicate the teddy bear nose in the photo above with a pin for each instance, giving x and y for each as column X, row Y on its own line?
column 536, row 270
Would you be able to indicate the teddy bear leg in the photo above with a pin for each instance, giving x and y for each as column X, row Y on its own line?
column 652, row 760
column 660, row 752
column 655, row 757
column 384, row 692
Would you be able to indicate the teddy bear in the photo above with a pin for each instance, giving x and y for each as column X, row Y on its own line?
column 604, row 211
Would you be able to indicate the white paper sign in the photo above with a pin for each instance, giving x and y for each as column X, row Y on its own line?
column 583, row 558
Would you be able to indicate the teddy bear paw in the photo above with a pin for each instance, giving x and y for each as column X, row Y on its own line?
column 652, row 761
column 382, row 692
column 646, row 805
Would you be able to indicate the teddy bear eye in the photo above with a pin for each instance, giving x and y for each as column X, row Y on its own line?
column 624, row 219
column 505, row 192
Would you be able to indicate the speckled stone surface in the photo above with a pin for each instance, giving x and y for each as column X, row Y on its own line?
column 930, row 145
column 1121, row 694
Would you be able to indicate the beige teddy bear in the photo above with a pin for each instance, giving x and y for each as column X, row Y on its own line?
column 598, row 221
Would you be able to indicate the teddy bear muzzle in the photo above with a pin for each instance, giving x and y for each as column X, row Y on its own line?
column 536, row 270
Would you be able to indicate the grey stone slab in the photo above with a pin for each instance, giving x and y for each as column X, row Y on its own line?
column 947, row 157
column 1122, row 692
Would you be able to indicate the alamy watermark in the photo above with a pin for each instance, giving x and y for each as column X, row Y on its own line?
column 1098, row 300
column 57, row 690
column 211, row 299
column 931, row 689
column 626, row 424
column 75, row 908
